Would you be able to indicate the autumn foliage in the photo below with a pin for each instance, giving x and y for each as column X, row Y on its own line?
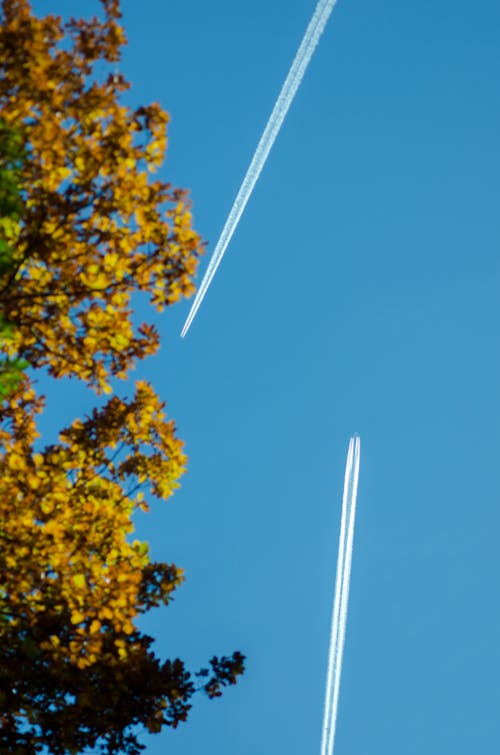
column 67, row 547
column 95, row 226
column 73, row 583
column 83, row 226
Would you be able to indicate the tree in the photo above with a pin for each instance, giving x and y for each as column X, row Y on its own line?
column 95, row 226
column 82, row 227
column 74, row 670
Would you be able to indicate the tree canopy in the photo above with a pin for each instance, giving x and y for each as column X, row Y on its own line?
column 95, row 225
column 83, row 226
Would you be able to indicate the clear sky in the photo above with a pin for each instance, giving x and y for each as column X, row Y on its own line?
column 361, row 293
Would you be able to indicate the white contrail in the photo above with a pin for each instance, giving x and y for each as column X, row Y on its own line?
column 292, row 82
column 336, row 610
column 341, row 598
column 352, row 489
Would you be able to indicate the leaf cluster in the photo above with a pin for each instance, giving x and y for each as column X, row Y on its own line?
column 95, row 227
column 11, row 207
column 11, row 204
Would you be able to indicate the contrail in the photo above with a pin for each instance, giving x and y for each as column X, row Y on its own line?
column 332, row 653
column 351, row 490
column 341, row 597
column 288, row 91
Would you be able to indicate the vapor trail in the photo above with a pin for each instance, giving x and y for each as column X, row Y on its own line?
column 352, row 490
column 332, row 653
column 341, row 597
column 285, row 98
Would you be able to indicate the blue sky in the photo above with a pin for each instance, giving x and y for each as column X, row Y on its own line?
column 360, row 294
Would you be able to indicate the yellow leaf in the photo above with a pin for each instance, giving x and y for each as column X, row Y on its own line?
column 77, row 617
column 95, row 626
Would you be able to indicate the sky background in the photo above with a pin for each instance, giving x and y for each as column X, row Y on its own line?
column 360, row 294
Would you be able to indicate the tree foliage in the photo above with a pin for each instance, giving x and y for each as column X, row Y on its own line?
column 95, row 226
column 74, row 669
column 11, row 207
column 68, row 545
column 83, row 226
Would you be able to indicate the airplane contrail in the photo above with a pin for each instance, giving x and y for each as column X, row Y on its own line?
column 351, row 485
column 341, row 597
column 332, row 653
column 285, row 98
